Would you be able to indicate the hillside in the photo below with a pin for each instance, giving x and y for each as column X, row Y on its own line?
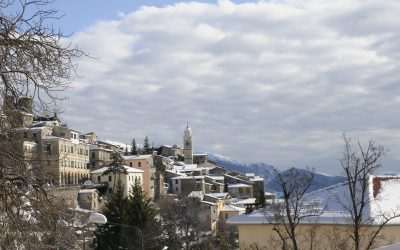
column 270, row 177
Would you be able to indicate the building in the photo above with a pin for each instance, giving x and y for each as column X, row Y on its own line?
column 333, row 223
column 127, row 180
column 184, row 185
column 89, row 199
column 240, row 190
column 99, row 156
column 65, row 160
column 146, row 164
column 188, row 145
column 63, row 157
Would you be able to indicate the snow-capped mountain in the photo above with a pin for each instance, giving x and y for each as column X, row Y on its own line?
column 270, row 176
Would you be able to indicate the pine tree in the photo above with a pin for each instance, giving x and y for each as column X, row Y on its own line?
column 126, row 150
column 142, row 213
column 134, row 148
column 108, row 236
column 146, row 146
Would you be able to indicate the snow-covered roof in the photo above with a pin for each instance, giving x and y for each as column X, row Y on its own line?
column 185, row 167
column 218, row 195
column 35, row 128
column 127, row 168
column 199, row 154
column 256, row 178
column 238, row 185
column 216, row 177
column 232, row 208
column 196, row 194
column 136, row 157
column 187, row 177
column 83, row 191
column 51, row 137
column 259, row 217
column 209, row 203
column 244, row 201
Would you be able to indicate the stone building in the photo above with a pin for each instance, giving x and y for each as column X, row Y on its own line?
column 99, row 156
column 64, row 157
column 89, row 199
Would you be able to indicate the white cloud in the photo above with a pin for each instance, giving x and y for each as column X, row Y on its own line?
column 272, row 81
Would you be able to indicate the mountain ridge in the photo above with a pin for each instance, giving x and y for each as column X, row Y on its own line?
column 270, row 175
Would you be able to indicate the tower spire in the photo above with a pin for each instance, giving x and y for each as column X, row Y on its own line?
column 187, row 145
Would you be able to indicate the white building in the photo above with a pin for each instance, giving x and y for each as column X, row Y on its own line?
column 127, row 180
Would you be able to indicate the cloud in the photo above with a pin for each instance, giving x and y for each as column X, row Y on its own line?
column 272, row 81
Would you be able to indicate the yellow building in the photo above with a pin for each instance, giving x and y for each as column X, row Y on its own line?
column 332, row 228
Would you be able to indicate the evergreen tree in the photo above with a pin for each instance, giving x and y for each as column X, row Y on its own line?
column 146, row 146
column 142, row 213
column 108, row 236
column 134, row 148
column 126, row 150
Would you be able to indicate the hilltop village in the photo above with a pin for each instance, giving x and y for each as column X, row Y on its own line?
column 76, row 161
column 76, row 166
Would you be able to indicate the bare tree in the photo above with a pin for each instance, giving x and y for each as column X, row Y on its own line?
column 358, row 167
column 34, row 63
column 286, row 216
column 185, row 223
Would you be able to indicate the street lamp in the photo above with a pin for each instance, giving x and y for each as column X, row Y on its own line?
column 97, row 218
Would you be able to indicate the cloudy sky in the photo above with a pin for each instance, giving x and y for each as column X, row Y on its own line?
column 271, row 81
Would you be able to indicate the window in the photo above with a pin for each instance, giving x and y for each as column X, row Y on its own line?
column 139, row 164
column 86, row 152
column 226, row 216
column 93, row 155
column 93, row 164
column 110, row 190
column 72, row 149
column 130, row 164
column 87, row 165
column 176, row 182
column 109, row 178
column 98, row 178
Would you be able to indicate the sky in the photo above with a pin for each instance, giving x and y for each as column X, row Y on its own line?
column 258, row 81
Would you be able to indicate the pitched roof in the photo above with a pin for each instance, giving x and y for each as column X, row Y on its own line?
column 136, row 157
column 127, row 168
column 231, row 208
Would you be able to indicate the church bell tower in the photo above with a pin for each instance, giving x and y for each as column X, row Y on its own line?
column 187, row 145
